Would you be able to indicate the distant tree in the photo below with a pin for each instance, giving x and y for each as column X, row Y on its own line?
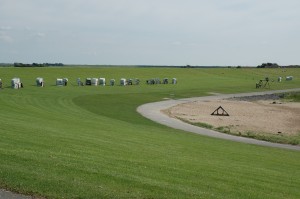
column 268, row 65
column 16, row 64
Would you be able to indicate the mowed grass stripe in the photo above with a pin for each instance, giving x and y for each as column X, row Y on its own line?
column 89, row 142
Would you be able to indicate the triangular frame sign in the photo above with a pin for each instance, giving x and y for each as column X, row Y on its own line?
column 221, row 113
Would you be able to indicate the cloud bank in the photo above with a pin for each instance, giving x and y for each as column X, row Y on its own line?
column 158, row 32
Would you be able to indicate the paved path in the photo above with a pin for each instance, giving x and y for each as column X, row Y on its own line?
column 9, row 195
column 153, row 112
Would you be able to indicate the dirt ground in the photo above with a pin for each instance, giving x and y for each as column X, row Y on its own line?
column 246, row 115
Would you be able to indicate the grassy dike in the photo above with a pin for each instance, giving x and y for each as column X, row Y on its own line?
column 89, row 142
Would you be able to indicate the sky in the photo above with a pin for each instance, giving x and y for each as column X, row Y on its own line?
column 150, row 32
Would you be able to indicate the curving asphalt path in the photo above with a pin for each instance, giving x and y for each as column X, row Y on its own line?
column 9, row 195
column 153, row 112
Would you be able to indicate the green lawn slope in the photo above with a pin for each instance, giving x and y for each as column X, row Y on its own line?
column 89, row 142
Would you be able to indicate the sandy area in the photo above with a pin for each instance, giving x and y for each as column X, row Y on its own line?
column 261, row 116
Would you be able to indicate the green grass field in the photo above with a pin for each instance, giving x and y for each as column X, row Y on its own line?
column 89, row 142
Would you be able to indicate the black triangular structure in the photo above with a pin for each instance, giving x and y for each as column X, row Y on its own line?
column 267, row 83
column 223, row 112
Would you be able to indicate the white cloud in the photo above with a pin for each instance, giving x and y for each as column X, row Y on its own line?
column 5, row 28
column 27, row 28
column 40, row 35
column 176, row 43
column 4, row 37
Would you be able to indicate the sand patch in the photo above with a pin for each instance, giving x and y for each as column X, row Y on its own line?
column 260, row 116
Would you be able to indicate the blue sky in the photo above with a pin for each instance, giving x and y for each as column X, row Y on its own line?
column 150, row 32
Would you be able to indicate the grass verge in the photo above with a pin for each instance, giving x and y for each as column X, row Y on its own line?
column 292, row 97
column 279, row 138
